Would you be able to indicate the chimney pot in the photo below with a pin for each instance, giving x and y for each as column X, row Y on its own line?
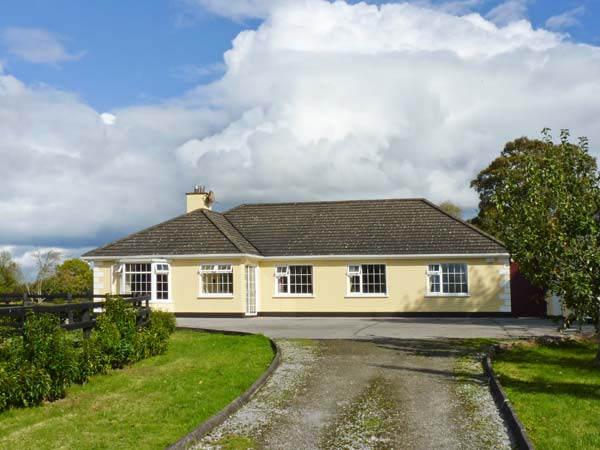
column 199, row 198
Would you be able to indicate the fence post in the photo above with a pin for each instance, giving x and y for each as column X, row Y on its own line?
column 69, row 309
column 147, row 310
column 85, row 317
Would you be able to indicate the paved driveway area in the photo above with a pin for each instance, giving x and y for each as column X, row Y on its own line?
column 373, row 328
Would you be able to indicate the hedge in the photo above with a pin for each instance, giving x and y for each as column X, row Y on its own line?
column 41, row 363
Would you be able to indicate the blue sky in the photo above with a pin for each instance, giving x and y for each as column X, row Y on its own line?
column 271, row 100
column 133, row 53
column 141, row 54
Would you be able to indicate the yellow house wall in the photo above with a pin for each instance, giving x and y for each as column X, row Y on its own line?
column 103, row 283
column 186, row 288
column 406, row 286
column 489, row 288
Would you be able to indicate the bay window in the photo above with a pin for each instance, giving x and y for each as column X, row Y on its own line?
column 145, row 278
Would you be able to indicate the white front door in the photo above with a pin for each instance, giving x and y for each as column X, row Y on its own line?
column 250, row 290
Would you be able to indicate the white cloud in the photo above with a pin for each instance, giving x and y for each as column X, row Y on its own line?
column 108, row 118
column 191, row 72
column 457, row 7
column 235, row 9
column 565, row 20
column 322, row 101
column 508, row 11
column 37, row 46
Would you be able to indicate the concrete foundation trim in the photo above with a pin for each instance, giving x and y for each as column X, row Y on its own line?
column 215, row 315
column 515, row 427
column 211, row 423
column 385, row 314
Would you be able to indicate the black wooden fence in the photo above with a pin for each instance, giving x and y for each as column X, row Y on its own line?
column 76, row 312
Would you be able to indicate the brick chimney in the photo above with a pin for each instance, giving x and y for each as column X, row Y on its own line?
column 199, row 199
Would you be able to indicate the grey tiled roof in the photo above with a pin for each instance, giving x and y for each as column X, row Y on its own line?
column 197, row 232
column 363, row 227
column 359, row 227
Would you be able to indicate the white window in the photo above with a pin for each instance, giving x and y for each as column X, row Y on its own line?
column 145, row 278
column 138, row 278
column 447, row 279
column 216, row 280
column 294, row 280
column 162, row 281
column 367, row 279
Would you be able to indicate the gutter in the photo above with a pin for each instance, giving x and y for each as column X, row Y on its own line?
column 299, row 257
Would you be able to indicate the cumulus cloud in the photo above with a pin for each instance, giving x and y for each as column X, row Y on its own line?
column 508, row 11
column 191, row 72
column 322, row 101
column 450, row 6
column 235, row 9
column 37, row 46
column 565, row 20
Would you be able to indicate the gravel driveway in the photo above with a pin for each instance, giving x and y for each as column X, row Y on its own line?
column 378, row 394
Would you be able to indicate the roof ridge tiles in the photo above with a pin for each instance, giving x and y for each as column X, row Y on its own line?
column 209, row 212
column 325, row 202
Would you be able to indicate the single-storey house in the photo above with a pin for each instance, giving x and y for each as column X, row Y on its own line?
column 362, row 257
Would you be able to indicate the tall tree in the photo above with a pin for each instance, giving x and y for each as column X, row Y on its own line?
column 451, row 208
column 495, row 175
column 45, row 263
column 10, row 274
column 548, row 213
column 73, row 276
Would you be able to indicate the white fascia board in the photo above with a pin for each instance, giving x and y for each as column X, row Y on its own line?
column 364, row 257
column 293, row 258
column 159, row 258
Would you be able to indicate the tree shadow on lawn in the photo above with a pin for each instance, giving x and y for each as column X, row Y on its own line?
column 545, row 355
column 540, row 385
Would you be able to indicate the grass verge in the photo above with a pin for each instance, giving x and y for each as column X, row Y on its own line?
column 148, row 405
column 555, row 391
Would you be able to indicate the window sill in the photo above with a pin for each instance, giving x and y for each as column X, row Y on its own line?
column 367, row 296
column 294, row 296
column 161, row 301
column 447, row 295
column 215, row 296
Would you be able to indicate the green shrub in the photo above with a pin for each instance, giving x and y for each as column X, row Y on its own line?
column 38, row 366
column 45, row 360
column 115, row 332
column 164, row 320
column 154, row 339
column 92, row 360
column 47, row 347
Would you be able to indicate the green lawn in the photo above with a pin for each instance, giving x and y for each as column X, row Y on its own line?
column 556, row 393
column 148, row 405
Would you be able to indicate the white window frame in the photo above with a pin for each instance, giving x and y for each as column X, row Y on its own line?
column 350, row 294
column 201, row 271
column 153, row 272
column 286, row 274
column 428, row 273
